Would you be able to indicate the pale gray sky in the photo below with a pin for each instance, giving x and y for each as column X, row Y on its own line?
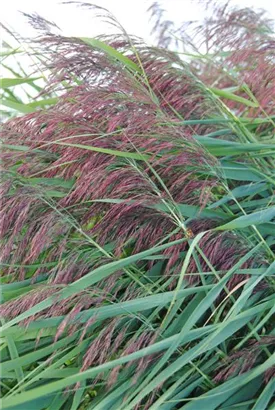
column 130, row 13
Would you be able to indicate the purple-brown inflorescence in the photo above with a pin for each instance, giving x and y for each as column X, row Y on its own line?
column 118, row 114
column 242, row 44
column 245, row 359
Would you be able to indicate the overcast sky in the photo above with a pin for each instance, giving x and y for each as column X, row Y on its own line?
column 130, row 13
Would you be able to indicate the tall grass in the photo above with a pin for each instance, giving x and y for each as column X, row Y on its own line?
column 137, row 232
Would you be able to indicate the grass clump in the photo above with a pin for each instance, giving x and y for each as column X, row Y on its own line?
column 137, row 234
